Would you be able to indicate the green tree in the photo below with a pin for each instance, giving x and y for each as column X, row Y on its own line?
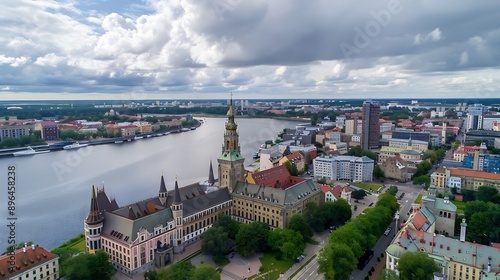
column 298, row 223
column 291, row 168
column 246, row 245
column 86, row 266
column 416, row 266
column 378, row 172
column 389, row 201
column 359, row 194
column 337, row 261
column 393, row 190
column 215, row 242
column 322, row 181
column 9, row 142
column 477, row 229
column 431, row 155
column 493, row 215
column 472, row 207
column 487, row 193
column 205, row 272
column 176, row 271
column 342, row 211
column 422, row 180
column 314, row 216
column 151, row 275
column 100, row 267
column 289, row 242
column 388, row 274
column 230, row 226
column 251, row 238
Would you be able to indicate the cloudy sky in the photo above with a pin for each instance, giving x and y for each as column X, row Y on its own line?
column 98, row 49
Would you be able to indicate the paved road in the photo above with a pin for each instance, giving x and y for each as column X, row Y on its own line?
column 411, row 194
column 310, row 272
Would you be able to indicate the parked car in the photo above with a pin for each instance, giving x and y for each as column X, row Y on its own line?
column 387, row 231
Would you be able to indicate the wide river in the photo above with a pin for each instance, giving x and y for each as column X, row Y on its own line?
column 53, row 189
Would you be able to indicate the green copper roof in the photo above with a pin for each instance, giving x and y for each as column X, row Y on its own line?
column 444, row 204
column 231, row 156
column 395, row 250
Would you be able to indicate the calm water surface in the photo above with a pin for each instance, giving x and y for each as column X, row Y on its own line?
column 53, row 193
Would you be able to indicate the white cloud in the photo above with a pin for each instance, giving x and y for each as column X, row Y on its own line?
column 257, row 47
column 433, row 36
column 13, row 61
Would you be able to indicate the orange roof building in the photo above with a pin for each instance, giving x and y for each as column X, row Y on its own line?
column 30, row 262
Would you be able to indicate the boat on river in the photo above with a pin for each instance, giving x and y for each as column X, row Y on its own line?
column 28, row 152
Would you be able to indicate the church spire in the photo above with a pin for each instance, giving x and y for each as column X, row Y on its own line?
column 231, row 125
column 211, row 178
column 95, row 215
column 162, row 194
column 177, row 194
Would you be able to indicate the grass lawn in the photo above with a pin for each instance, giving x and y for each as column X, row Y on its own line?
column 80, row 246
column 270, row 263
column 418, row 199
column 366, row 186
column 460, row 206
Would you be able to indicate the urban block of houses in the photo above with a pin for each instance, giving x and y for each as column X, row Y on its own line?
column 398, row 169
column 31, row 263
column 296, row 159
column 336, row 192
column 407, row 154
column 457, row 259
column 270, row 157
column 463, row 179
column 348, row 168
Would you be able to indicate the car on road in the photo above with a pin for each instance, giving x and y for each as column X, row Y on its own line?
column 387, row 231
column 299, row 259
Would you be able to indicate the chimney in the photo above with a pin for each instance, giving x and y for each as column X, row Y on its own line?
column 33, row 247
column 24, row 249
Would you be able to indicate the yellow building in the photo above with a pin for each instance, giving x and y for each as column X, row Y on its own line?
column 274, row 206
column 404, row 144
column 144, row 127
column 296, row 159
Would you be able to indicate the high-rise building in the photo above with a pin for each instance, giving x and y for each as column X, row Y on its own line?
column 370, row 132
column 475, row 114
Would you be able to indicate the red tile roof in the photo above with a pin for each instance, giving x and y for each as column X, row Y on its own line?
column 294, row 156
column 273, row 177
column 24, row 261
column 419, row 220
column 473, row 173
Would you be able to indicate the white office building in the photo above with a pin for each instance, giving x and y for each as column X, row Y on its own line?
column 347, row 168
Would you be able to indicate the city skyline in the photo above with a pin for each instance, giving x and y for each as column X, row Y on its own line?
column 259, row 49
